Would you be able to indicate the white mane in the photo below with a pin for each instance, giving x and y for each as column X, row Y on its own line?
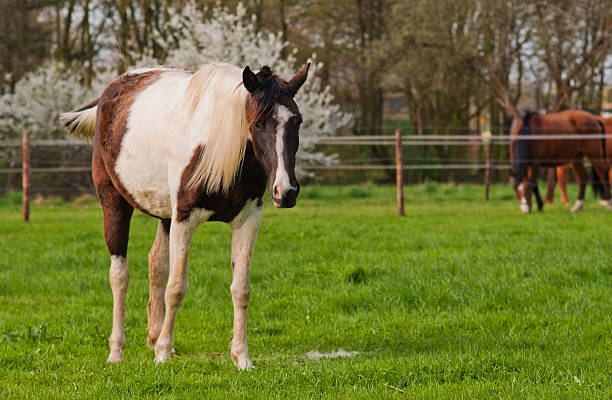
column 215, row 99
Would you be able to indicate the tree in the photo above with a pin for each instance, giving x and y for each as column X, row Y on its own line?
column 572, row 42
column 23, row 41
column 40, row 96
column 190, row 38
column 232, row 37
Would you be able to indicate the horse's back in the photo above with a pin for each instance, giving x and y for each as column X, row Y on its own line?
column 567, row 122
column 570, row 122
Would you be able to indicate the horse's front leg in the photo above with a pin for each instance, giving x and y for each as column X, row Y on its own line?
column 533, row 182
column 244, row 231
column 181, row 233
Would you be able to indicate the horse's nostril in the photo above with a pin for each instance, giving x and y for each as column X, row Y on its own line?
column 276, row 192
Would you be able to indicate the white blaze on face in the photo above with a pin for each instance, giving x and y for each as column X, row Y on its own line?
column 281, row 180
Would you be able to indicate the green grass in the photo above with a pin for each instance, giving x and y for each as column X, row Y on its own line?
column 460, row 299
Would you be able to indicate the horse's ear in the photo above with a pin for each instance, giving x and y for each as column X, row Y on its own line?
column 249, row 79
column 298, row 80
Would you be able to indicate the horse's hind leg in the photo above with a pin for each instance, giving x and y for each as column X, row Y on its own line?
column 562, row 179
column 117, row 215
column 550, row 186
column 581, row 177
column 159, row 264
column 602, row 174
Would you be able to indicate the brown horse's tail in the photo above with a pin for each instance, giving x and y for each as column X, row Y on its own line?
column 521, row 151
column 82, row 121
column 596, row 180
column 603, row 139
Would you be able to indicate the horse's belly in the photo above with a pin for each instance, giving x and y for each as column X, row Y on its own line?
column 145, row 178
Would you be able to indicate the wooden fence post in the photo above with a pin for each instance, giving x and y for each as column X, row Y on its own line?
column 25, row 176
column 399, row 172
column 487, row 176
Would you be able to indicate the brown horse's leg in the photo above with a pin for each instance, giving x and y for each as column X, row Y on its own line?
column 117, row 215
column 159, row 264
column 609, row 184
column 550, row 186
column 533, row 182
column 602, row 173
column 562, row 179
column 581, row 177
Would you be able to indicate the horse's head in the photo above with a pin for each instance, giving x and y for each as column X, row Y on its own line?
column 274, row 123
column 519, row 154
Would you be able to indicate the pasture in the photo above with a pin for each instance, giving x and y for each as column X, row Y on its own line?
column 458, row 299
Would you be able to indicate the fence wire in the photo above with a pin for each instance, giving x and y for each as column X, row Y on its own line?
column 63, row 166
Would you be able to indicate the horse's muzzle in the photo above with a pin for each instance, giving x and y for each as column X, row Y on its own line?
column 525, row 207
column 287, row 199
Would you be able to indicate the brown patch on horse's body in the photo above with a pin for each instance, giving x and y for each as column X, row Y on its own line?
column 111, row 126
column 551, row 153
column 250, row 185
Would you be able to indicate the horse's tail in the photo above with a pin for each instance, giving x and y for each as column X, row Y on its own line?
column 603, row 139
column 596, row 183
column 521, row 151
column 82, row 121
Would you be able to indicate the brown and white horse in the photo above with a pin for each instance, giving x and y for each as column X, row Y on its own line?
column 527, row 155
column 188, row 148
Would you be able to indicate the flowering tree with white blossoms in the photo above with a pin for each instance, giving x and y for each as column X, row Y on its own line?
column 40, row 96
column 232, row 38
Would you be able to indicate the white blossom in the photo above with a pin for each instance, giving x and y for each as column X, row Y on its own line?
column 232, row 37
column 41, row 95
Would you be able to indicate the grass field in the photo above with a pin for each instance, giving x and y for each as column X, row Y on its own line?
column 460, row 299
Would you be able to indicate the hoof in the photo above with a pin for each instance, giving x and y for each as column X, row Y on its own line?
column 578, row 206
column 162, row 357
column 116, row 356
column 243, row 362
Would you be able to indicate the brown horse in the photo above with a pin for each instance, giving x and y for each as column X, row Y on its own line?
column 187, row 148
column 527, row 155
column 561, row 170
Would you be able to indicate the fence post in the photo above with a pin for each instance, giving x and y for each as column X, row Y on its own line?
column 25, row 175
column 487, row 176
column 399, row 172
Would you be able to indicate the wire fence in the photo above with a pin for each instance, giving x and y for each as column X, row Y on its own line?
column 63, row 167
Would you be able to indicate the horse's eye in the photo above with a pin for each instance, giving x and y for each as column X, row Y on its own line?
column 258, row 125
